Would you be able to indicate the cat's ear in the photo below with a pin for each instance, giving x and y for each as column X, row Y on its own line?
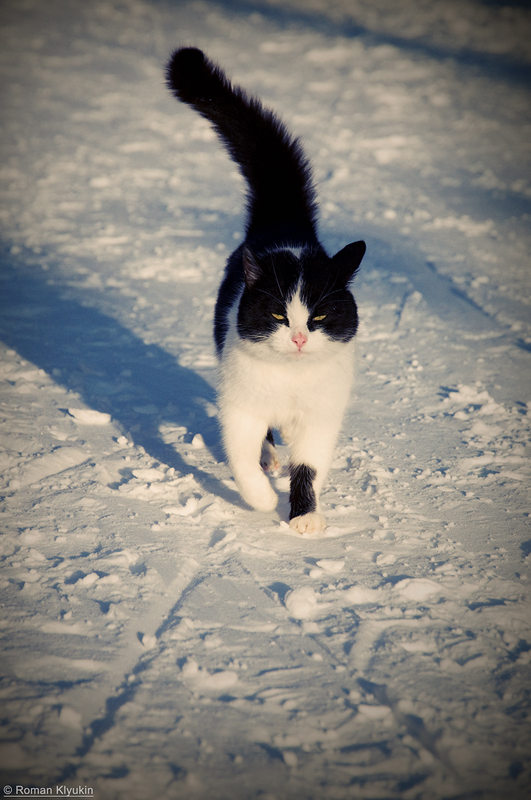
column 251, row 268
column 348, row 260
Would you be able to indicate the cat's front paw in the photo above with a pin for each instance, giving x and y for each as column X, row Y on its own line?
column 308, row 523
column 266, row 502
column 259, row 494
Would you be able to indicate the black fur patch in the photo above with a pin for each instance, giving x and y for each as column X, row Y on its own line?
column 323, row 284
column 277, row 281
column 281, row 213
column 301, row 494
column 227, row 296
column 278, row 174
column 324, row 289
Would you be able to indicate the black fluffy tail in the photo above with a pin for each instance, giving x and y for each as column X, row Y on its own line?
column 281, row 196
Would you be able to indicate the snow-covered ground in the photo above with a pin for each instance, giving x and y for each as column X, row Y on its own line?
column 160, row 640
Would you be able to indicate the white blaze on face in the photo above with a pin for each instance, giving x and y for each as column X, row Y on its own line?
column 297, row 313
column 295, row 341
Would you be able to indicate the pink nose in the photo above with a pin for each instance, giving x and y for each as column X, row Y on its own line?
column 300, row 340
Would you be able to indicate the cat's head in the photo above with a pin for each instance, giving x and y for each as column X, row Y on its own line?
column 296, row 305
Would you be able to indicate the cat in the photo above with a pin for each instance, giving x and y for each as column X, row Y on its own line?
column 285, row 319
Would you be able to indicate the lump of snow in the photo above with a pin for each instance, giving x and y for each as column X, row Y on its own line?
column 190, row 669
column 361, row 595
column 7, row 545
column 198, row 441
column 221, row 680
column 57, row 626
column 491, row 408
column 71, row 718
column 190, row 507
column 109, row 579
column 469, row 395
column 330, row 566
column 51, row 464
column 202, row 679
column 385, row 559
column 301, row 603
column 373, row 712
column 418, row 646
column 121, row 557
column 484, row 431
column 89, row 579
column 322, row 55
column 470, row 464
column 417, row 588
column 149, row 410
column 149, row 641
column 148, row 475
column 35, row 555
column 290, row 758
column 464, row 224
column 89, row 416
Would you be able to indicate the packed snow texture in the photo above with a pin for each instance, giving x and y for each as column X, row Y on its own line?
column 160, row 639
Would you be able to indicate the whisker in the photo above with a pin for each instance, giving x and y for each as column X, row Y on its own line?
column 325, row 296
column 263, row 291
column 276, row 278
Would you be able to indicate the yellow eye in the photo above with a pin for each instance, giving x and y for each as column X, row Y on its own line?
column 318, row 319
column 278, row 316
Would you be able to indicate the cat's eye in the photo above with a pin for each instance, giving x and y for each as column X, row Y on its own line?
column 278, row 316
column 319, row 318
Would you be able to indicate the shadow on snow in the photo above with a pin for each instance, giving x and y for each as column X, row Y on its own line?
column 112, row 370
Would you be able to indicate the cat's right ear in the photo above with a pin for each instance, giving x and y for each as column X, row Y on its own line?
column 251, row 268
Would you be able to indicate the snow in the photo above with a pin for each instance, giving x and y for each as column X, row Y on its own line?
column 159, row 639
column 89, row 416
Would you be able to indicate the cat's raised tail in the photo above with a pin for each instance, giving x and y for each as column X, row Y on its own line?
column 278, row 175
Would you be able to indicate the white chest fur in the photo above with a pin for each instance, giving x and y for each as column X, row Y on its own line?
column 278, row 391
column 274, row 383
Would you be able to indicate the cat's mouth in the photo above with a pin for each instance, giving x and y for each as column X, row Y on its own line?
column 301, row 353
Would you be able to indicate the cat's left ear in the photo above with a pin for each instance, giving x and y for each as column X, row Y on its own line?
column 251, row 268
column 348, row 260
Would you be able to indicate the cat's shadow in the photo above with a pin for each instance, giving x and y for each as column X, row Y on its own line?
column 110, row 368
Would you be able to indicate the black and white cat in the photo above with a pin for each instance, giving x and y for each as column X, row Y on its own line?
column 285, row 319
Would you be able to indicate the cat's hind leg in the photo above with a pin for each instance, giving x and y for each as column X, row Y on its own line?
column 243, row 436
column 269, row 459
